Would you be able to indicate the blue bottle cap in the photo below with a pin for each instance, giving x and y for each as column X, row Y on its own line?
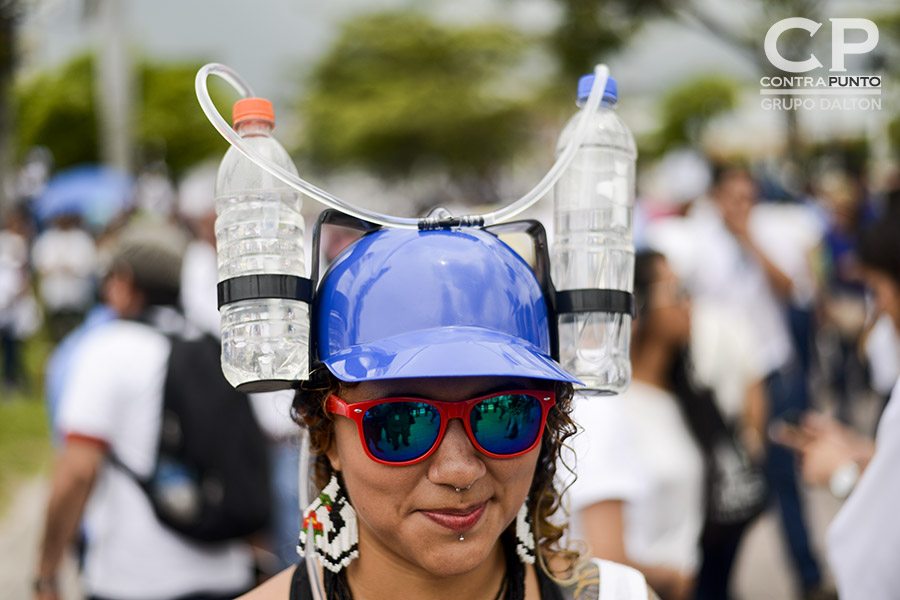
column 586, row 82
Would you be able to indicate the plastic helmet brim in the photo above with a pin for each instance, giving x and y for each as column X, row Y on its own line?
column 445, row 352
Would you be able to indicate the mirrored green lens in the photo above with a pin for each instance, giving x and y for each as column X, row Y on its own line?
column 506, row 424
column 401, row 431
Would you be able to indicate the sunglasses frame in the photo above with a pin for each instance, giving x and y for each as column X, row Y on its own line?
column 447, row 410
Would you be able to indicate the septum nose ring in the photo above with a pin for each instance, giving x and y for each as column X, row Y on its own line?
column 468, row 487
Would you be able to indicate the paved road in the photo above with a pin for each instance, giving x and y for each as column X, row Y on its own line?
column 20, row 529
column 763, row 569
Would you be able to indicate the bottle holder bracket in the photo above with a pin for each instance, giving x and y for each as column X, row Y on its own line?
column 253, row 287
column 595, row 300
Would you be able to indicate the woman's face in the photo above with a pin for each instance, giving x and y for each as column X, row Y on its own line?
column 669, row 307
column 413, row 513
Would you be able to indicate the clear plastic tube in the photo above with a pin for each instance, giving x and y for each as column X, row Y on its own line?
column 509, row 211
column 290, row 179
column 601, row 74
column 312, row 565
column 316, row 586
column 303, row 474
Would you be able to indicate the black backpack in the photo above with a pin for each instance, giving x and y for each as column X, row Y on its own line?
column 211, row 481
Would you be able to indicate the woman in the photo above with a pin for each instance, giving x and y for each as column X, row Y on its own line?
column 639, row 495
column 437, row 417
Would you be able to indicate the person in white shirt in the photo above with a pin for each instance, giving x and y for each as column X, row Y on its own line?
column 18, row 311
column 864, row 538
column 727, row 253
column 199, row 277
column 638, row 497
column 113, row 405
column 65, row 258
column 199, row 274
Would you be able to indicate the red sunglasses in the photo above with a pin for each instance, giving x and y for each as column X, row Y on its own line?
column 404, row 431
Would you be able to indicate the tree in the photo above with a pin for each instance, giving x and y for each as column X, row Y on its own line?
column 591, row 29
column 57, row 109
column 10, row 13
column 170, row 117
column 398, row 94
column 616, row 20
column 688, row 108
column 889, row 61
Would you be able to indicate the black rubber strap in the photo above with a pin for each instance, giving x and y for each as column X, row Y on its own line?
column 593, row 300
column 250, row 287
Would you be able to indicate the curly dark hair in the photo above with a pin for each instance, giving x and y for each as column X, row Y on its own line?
column 544, row 497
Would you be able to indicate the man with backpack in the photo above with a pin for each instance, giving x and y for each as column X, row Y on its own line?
column 127, row 465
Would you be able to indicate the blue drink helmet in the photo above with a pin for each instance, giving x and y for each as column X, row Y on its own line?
column 439, row 303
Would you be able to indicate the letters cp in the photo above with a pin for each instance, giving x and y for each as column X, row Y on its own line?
column 839, row 46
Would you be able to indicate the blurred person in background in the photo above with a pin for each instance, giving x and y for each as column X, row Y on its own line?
column 112, row 404
column 638, row 498
column 733, row 258
column 725, row 359
column 726, row 363
column 843, row 310
column 31, row 179
column 864, row 538
column 58, row 370
column 154, row 193
column 199, row 299
column 199, row 273
column 65, row 259
column 723, row 344
column 19, row 313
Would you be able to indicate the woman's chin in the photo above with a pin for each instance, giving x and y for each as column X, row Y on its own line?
column 447, row 560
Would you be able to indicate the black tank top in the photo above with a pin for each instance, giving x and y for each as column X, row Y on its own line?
column 300, row 585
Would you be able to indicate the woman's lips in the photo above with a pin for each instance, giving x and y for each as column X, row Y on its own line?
column 456, row 519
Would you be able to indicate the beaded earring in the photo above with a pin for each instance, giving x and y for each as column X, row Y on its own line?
column 524, row 535
column 333, row 523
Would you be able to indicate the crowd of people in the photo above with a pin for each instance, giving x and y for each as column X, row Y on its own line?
column 107, row 298
column 762, row 307
column 760, row 326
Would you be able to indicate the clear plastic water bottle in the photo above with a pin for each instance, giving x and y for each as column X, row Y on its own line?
column 593, row 243
column 260, row 231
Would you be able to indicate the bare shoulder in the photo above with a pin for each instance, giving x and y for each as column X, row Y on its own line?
column 275, row 588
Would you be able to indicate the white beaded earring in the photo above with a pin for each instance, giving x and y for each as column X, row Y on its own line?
column 524, row 535
column 333, row 523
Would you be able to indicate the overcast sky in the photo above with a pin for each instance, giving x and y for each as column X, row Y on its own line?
column 271, row 42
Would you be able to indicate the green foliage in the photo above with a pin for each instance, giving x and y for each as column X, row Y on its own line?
column 171, row 117
column 24, row 443
column 888, row 61
column 397, row 93
column 894, row 136
column 889, row 29
column 591, row 29
column 686, row 110
column 24, row 433
column 57, row 109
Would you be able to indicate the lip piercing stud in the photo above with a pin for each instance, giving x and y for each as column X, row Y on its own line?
column 461, row 538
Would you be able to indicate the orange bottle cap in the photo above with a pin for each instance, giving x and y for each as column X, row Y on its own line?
column 248, row 109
